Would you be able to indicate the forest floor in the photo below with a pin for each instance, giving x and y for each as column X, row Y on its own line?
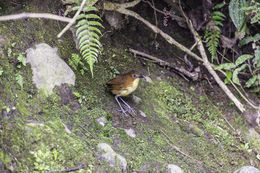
column 189, row 124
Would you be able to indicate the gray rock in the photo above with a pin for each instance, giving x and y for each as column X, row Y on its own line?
column 136, row 99
column 247, row 169
column 171, row 168
column 102, row 121
column 142, row 114
column 48, row 68
column 130, row 132
column 111, row 156
column 148, row 79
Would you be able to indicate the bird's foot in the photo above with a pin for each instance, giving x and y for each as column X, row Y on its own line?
column 123, row 112
column 131, row 111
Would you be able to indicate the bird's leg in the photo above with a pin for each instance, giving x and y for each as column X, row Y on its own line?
column 130, row 109
column 124, row 112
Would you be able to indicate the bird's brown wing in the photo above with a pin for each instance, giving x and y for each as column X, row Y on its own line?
column 116, row 83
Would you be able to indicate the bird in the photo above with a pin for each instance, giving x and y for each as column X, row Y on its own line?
column 123, row 85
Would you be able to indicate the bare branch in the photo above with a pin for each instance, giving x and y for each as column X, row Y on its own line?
column 208, row 65
column 35, row 15
column 75, row 16
column 68, row 170
column 73, row 19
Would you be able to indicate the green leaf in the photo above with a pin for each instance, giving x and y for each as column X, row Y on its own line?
column 250, row 82
column 76, row 94
column 88, row 53
column 83, row 33
column 217, row 18
column 220, row 5
column 55, row 154
column 218, row 13
column 81, row 22
column 88, row 43
column 89, row 48
column 83, row 39
column 218, row 23
column 226, row 66
column 75, row 8
column 93, row 34
column 95, row 23
column 249, row 39
column 19, row 79
column 236, row 14
column 256, row 37
column 81, row 28
column 91, row 28
column 81, row 16
column 93, row 16
column 235, row 78
column 91, row 62
column 242, row 59
column 255, row 90
column 257, row 57
column 90, row 8
column 22, row 59
column 228, row 77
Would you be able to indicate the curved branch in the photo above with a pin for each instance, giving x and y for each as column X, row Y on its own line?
column 35, row 15
column 73, row 19
column 119, row 8
column 209, row 67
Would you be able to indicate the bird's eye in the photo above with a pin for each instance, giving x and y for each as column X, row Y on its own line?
column 134, row 76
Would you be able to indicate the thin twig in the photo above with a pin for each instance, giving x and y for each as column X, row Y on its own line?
column 181, row 71
column 73, row 19
column 75, row 16
column 161, row 62
column 177, row 18
column 35, row 15
column 177, row 148
column 155, row 17
column 186, row 59
column 67, row 170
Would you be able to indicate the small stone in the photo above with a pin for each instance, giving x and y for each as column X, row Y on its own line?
column 34, row 124
column 148, row 79
column 171, row 168
column 247, row 169
column 142, row 114
column 130, row 132
column 102, row 121
column 136, row 99
column 66, row 129
column 111, row 156
column 158, row 78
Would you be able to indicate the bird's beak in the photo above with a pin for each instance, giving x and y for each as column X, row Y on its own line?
column 141, row 76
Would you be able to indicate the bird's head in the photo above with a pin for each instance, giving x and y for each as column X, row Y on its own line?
column 135, row 75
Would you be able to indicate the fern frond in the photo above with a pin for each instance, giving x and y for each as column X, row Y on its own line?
column 212, row 34
column 88, row 35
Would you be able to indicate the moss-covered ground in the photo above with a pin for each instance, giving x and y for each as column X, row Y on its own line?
column 40, row 134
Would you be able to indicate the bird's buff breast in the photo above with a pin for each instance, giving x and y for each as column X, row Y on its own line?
column 130, row 89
